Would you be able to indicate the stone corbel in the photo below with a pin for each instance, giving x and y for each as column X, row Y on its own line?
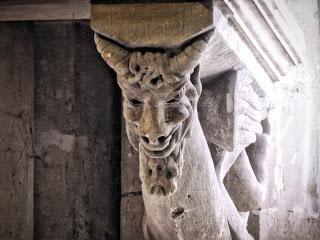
column 195, row 184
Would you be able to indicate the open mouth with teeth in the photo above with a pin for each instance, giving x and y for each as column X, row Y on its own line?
column 163, row 150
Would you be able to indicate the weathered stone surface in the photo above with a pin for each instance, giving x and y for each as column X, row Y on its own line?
column 77, row 137
column 16, row 55
column 289, row 225
column 21, row 10
column 307, row 194
column 132, row 210
column 216, row 110
column 218, row 59
column 130, row 182
column 135, row 25
column 160, row 107
column 254, row 224
column 16, row 131
column 296, row 174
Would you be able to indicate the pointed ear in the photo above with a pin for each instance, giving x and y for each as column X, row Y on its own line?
column 114, row 55
column 186, row 61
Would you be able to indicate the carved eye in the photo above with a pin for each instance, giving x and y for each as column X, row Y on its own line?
column 176, row 98
column 135, row 101
column 156, row 80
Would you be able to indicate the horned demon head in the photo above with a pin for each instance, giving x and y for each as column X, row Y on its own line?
column 160, row 94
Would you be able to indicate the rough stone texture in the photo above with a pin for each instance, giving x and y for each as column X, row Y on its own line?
column 16, row 131
column 135, row 25
column 289, row 225
column 217, row 117
column 71, row 190
column 233, row 113
column 216, row 111
column 26, row 10
column 132, row 207
column 132, row 210
column 130, row 182
column 223, row 59
column 300, row 119
column 295, row 173
column 296, row 177
column 77, row 137
column 254, row 224
column 295, row 193
column 160, row 98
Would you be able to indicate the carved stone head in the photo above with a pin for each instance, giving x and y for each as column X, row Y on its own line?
column 160, row 95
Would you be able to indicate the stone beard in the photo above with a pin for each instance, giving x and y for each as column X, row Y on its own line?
column 160, row 96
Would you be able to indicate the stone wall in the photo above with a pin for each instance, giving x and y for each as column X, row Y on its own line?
column 16, row 131
column 60, row 134
column 294, row 212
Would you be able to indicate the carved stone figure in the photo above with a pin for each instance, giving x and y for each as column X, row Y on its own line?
column 237, row 133
column 159, row 101
column 179, row 182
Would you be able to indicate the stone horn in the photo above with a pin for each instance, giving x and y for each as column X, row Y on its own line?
column 186, row 61
column 115, row 56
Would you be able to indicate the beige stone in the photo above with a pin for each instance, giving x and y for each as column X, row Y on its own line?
column 179, row 185
column 151, row 25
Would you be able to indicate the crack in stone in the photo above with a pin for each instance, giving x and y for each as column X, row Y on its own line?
column 129, row 194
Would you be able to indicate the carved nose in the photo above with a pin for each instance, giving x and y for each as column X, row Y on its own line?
column 154, row 140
